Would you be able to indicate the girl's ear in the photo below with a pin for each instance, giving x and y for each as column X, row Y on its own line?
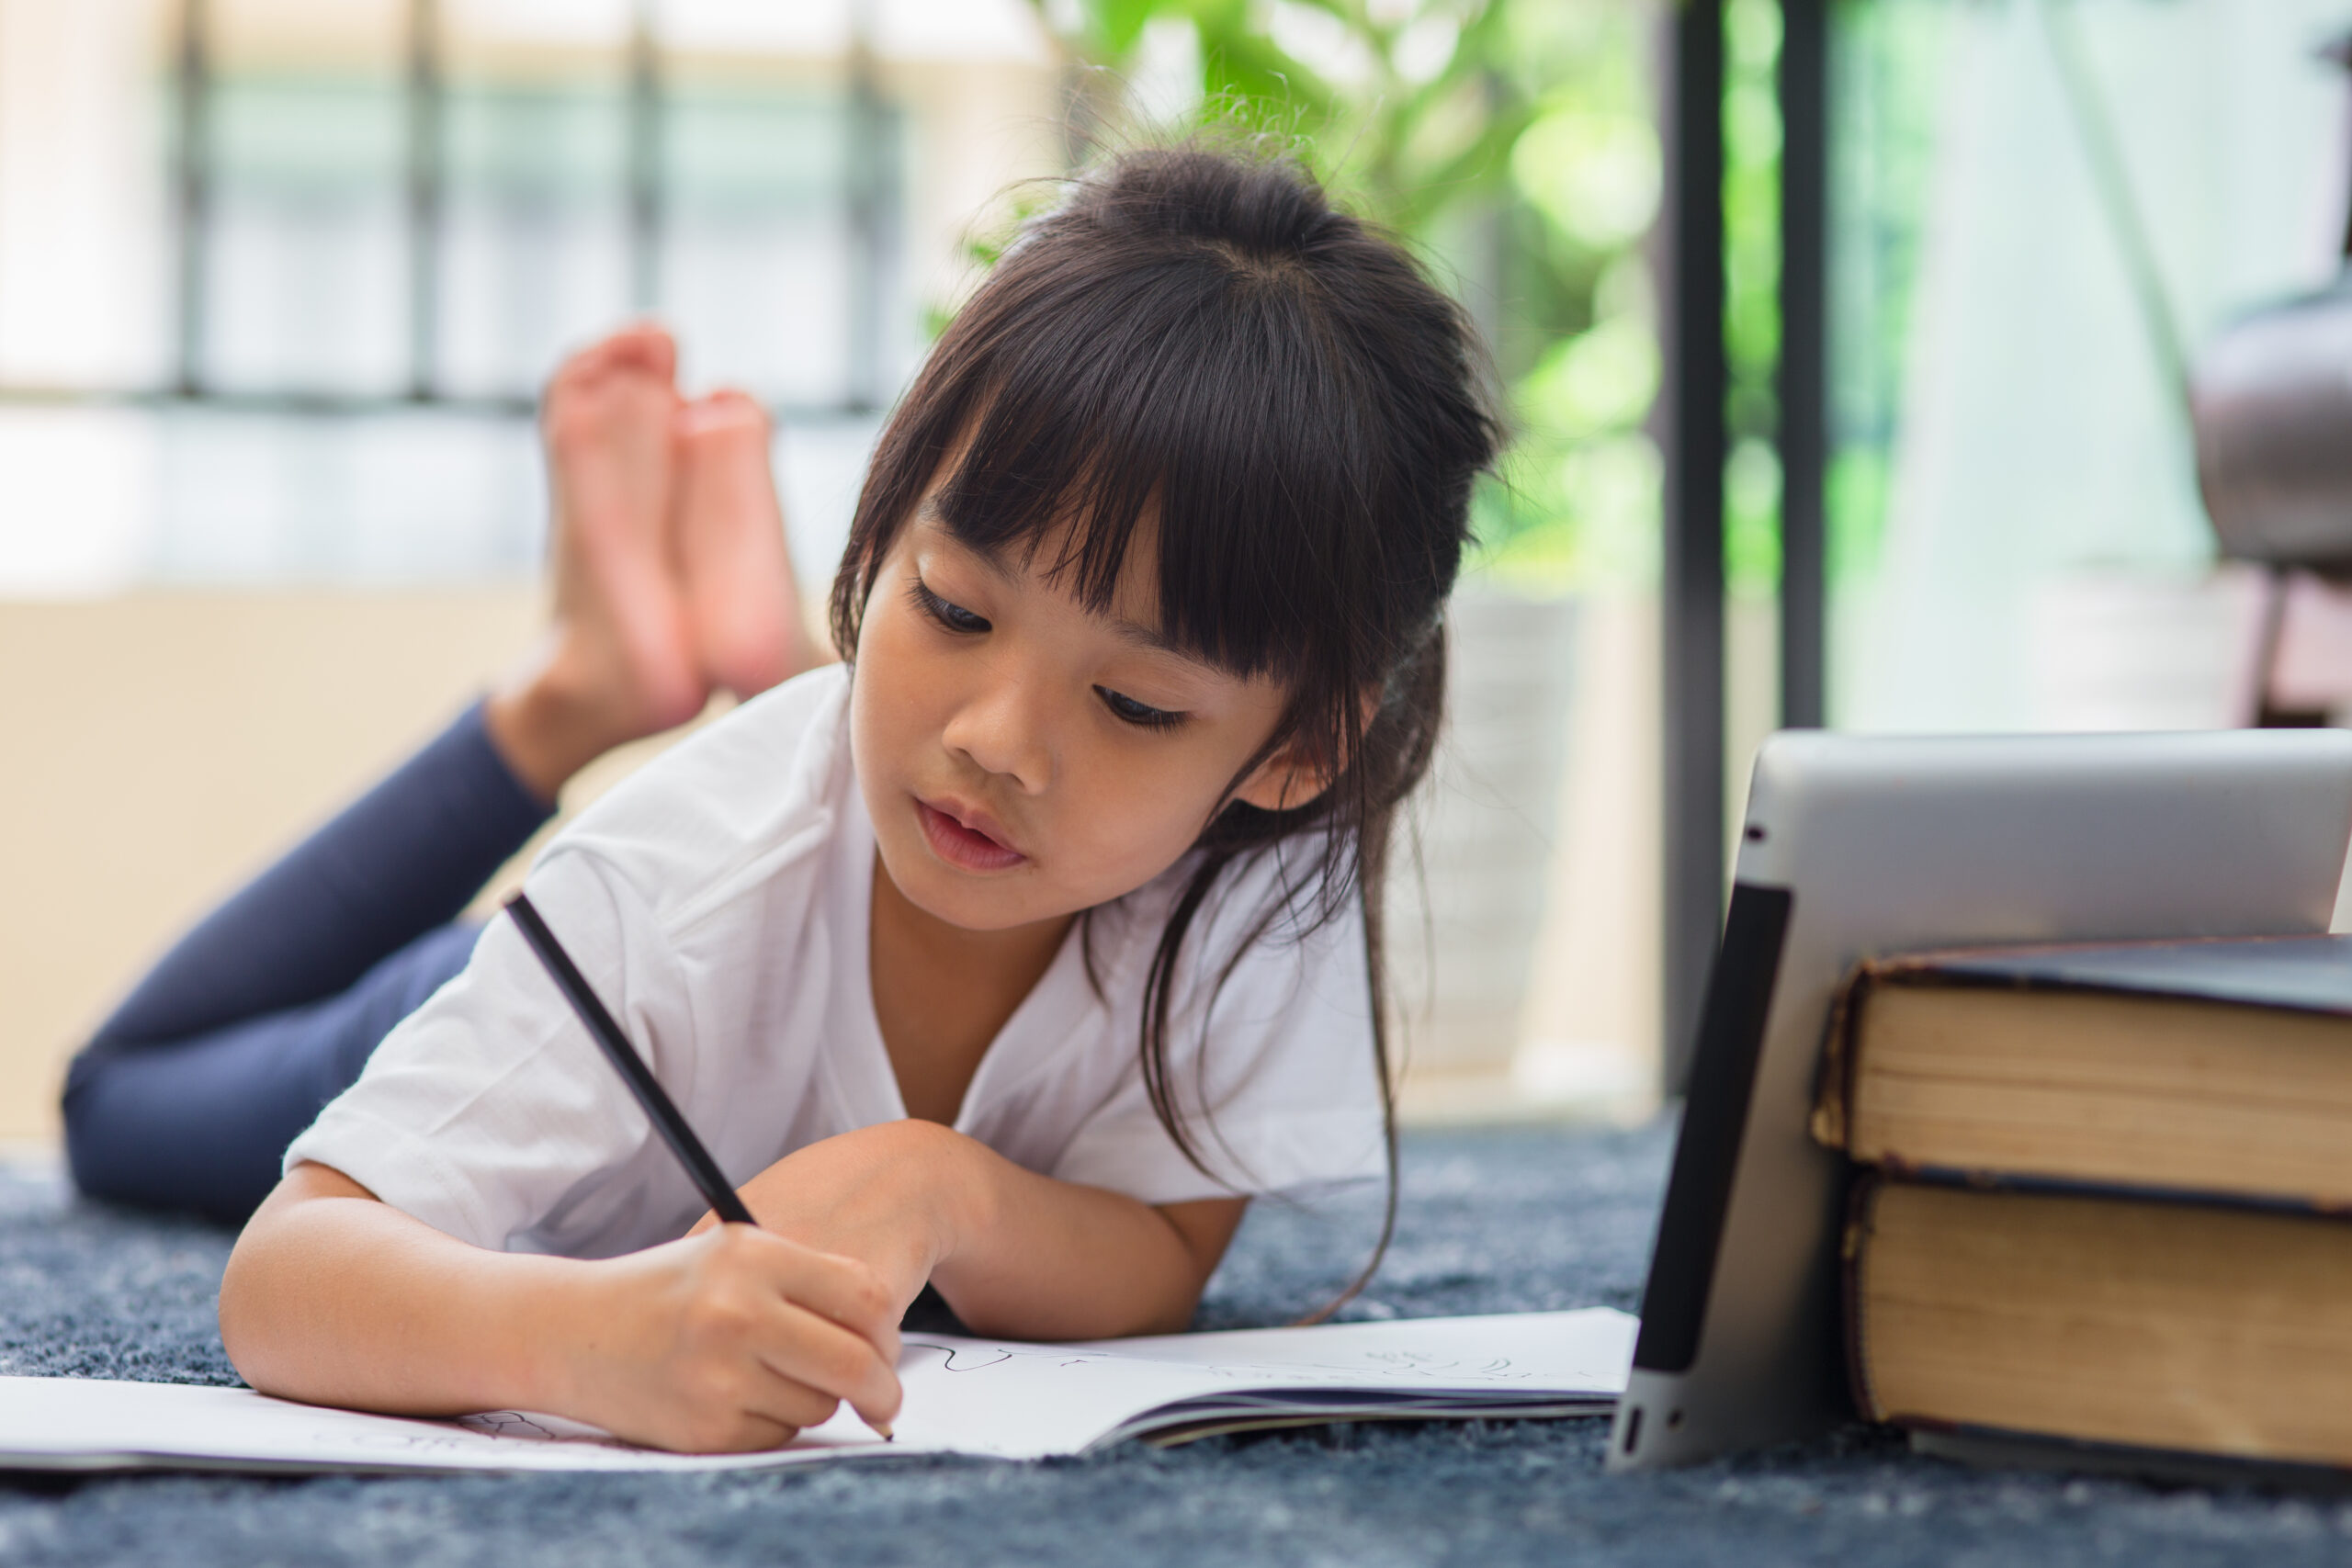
column 1294, row 776
column 1289, row 779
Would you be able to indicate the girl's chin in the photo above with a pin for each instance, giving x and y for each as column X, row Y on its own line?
column 973, row 903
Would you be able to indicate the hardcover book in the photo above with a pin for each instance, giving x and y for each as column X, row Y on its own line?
column 2204, row 1069
column 2200, row 1329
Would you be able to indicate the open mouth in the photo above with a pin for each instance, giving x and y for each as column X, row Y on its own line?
column 966, row 846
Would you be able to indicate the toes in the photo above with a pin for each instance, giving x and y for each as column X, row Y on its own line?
column 724, row 480
column 735, row 570
column 724, row 413
column 604, row 403
column 648, row 347
column 579, row 372
column 607, row 421
column 643, row 348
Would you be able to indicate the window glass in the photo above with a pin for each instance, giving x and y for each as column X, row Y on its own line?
column 327, row 373
column 2036, row 206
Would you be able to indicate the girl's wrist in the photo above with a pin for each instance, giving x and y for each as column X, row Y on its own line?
column 941, row 1180
column 961, row 1190
column 549, row 1319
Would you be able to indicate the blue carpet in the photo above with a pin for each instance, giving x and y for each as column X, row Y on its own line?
column 1492, row 1222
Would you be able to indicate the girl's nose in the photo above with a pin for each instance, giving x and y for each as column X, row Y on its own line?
column 1003, row 728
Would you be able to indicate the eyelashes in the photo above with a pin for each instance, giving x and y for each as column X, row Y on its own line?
column 1128, row 710
column 954, row 618
column 951, row 616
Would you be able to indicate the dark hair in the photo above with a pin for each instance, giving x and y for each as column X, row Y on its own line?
column 1197, row 339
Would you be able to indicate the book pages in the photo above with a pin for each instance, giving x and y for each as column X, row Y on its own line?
column 1000, row 1399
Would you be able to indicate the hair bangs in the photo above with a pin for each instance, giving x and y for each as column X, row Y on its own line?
column 1194, row 419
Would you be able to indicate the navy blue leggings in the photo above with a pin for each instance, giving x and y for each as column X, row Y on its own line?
column 187, row 1095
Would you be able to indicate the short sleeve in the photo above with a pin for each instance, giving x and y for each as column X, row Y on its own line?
column 487, row 1107
column 1274, row 1070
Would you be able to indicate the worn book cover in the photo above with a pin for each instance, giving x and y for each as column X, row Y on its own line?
column 2182, row 1068
column 2095, row 1325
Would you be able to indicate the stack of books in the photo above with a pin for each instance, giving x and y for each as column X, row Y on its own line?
column 2107, row 1201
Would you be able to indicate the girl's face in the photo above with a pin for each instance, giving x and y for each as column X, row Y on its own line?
column 1023, row 758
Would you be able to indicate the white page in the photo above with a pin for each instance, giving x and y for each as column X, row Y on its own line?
column 88, row 1422
column 1005, row 1399
column 1586, row 1351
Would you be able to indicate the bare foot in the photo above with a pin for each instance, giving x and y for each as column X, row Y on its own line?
column 729, row 534
column 619, row 660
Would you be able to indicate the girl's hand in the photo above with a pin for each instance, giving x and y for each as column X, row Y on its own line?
column 730, row 1340
column 1014, row 1253
column 736, row 1339
column 892, row 1196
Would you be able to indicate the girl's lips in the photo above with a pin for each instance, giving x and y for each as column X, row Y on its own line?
column 967, row 849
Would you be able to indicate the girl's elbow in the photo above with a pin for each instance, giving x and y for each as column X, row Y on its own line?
column 250, row 1300
column 1176, row 1319
column 262, row 1289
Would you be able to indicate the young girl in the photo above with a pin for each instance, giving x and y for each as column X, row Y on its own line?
column 1010, row 957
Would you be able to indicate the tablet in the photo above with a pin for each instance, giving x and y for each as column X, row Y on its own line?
column 1860, row 845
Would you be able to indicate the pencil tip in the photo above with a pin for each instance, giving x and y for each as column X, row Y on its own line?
column 883, row 1427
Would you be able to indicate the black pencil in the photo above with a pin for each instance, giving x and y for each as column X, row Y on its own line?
column 667, row 1121
column 667, row 1118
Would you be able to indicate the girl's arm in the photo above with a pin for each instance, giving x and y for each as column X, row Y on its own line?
column 1014, row 1253
column 730, row 1340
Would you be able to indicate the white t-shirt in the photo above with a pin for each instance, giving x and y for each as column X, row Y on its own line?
column 717, row 900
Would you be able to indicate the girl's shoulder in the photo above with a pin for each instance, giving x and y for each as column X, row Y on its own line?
column 737, row 800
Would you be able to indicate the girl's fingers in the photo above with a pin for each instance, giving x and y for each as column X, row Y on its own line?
column 788, row 1404
column 843, row 1290
column 817, row 1321
column 754, row 1431
column 817, row 1353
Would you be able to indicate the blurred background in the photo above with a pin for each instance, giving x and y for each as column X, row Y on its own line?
column 1845, row 341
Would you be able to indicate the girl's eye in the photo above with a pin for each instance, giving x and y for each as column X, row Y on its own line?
column 954, row 617
column 1129, row 711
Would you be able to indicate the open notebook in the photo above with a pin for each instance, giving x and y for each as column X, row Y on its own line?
column 968, row 1396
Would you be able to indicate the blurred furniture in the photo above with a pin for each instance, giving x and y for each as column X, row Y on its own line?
column 2271, row 402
